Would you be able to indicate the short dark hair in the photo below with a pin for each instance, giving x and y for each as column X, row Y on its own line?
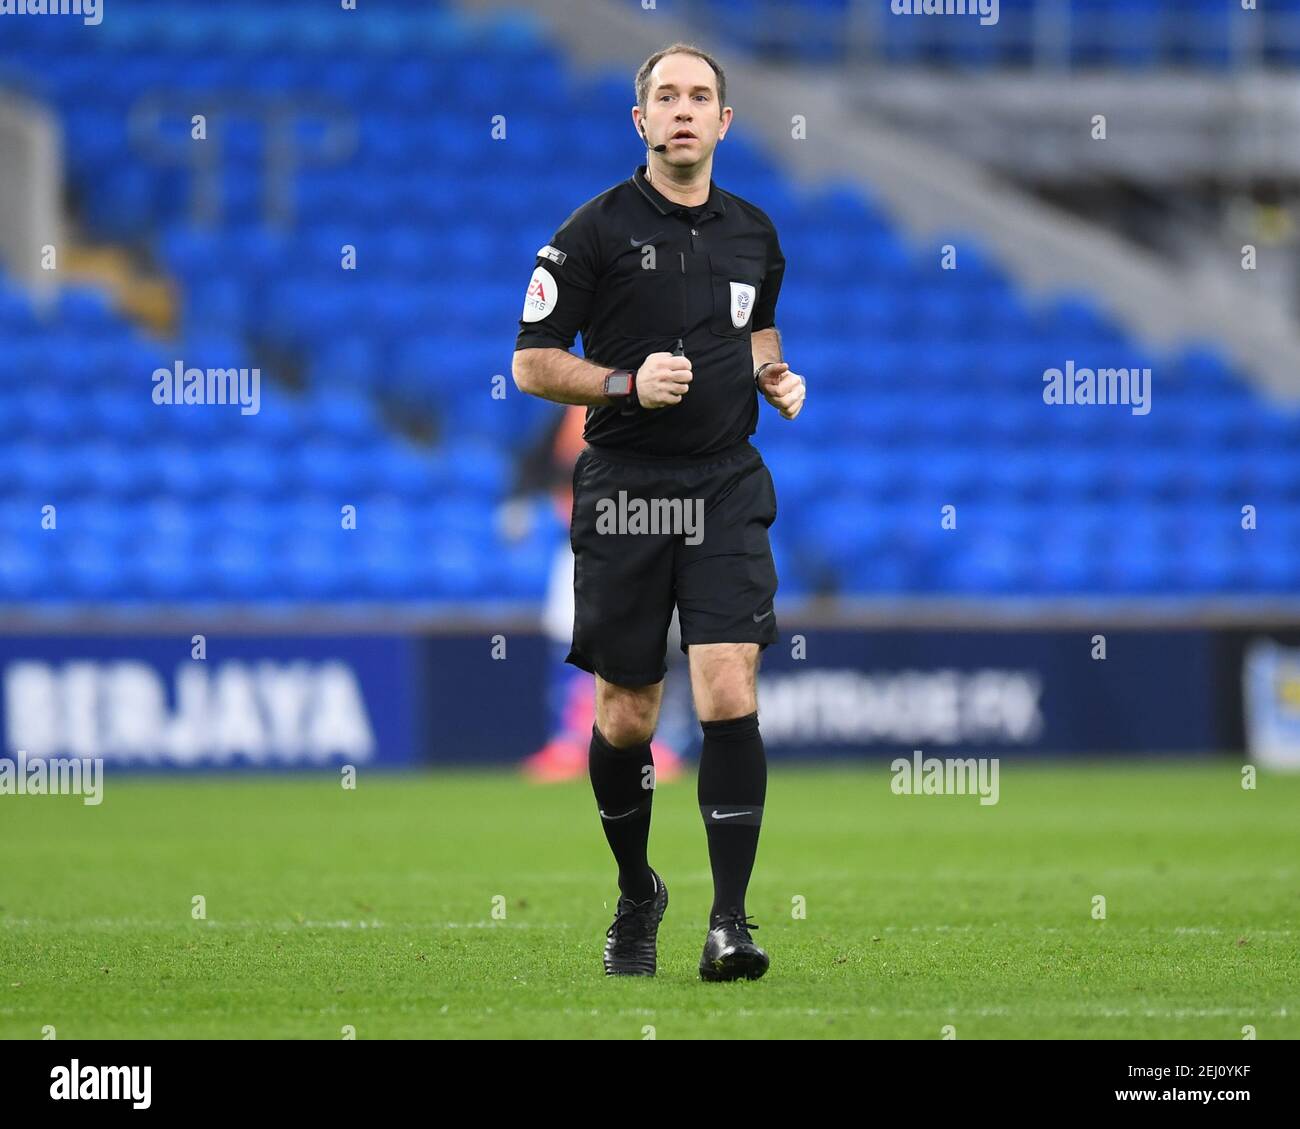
column 643, row 75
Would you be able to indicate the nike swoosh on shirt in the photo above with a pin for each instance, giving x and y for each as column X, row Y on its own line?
column 641, row 242
column 730, row 814
column 759, row 618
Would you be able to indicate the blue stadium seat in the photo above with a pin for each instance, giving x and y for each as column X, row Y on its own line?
column 929, row 382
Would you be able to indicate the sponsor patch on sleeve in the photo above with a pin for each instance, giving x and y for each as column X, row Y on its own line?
column 541, row 297
column 554, row 254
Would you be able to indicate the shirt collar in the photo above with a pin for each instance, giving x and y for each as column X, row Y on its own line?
column 714, row 205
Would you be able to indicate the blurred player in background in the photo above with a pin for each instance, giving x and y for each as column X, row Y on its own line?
column 571, row 692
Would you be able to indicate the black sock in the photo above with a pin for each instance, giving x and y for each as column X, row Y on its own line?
column 623, row 780
column 732, row 787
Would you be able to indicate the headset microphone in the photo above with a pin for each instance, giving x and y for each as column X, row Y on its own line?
column 652, row 148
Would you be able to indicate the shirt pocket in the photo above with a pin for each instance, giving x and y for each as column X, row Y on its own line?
column 645, row 303
column 737, row 283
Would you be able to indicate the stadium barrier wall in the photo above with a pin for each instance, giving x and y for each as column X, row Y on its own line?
column 293, row 700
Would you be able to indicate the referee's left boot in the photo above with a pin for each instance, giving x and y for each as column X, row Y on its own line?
column 730, row 952
column 631, row 942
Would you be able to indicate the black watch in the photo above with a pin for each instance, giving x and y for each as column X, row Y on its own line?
column 620, row 386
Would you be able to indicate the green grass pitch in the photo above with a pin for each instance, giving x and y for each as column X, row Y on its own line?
column 374, row 909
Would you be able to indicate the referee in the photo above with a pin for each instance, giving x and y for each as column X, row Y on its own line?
column 673, row 284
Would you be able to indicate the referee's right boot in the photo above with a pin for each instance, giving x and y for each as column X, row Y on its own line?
column 630, row 942
column 730, row 952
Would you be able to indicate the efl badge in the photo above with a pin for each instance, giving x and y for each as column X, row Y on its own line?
column 542, row 293
column 742, row 303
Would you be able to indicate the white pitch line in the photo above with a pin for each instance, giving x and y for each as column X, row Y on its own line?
column 1116, row 930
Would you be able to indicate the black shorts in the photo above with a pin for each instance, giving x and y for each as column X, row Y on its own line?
column 651, row 533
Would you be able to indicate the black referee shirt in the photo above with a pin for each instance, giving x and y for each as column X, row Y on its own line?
column 633, row 272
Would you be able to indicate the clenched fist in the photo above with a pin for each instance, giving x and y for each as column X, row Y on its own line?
column 663, row 380
column 783, row 389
